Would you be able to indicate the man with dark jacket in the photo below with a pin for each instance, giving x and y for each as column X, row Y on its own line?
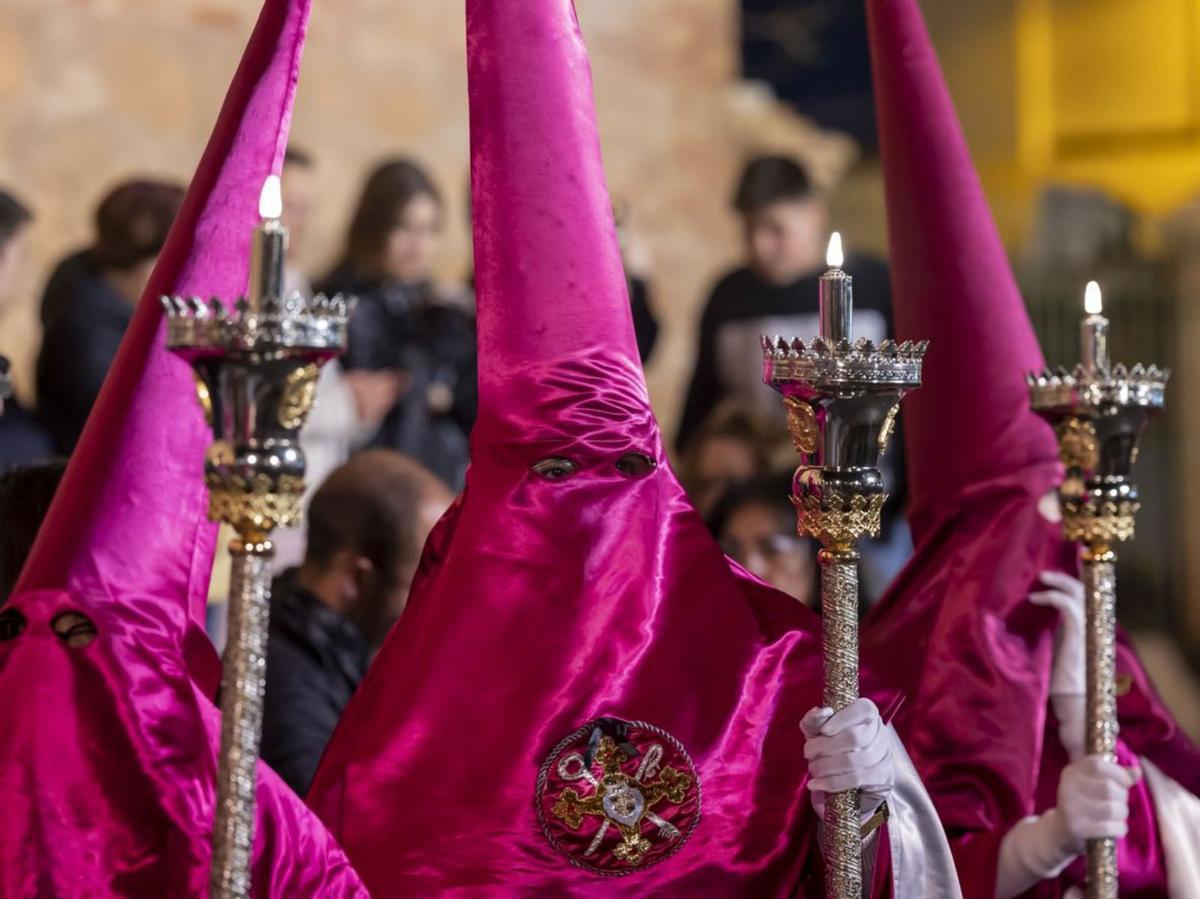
column 366, row 526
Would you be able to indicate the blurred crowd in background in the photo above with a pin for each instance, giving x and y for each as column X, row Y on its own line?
column 388, row 441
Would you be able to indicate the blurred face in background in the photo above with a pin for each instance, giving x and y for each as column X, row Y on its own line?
column 14, row 257
column 299, row 196
column 786, row 240
column 761, row 539
column 412, row 246
column 719, row 460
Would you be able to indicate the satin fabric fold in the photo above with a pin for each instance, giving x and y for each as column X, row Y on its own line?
column 550, row 606
column 109, row 751
column 956, row 631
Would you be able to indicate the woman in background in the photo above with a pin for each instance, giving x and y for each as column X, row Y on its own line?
column 409, row 336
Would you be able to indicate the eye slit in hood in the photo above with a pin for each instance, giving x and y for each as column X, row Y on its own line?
column 75, row 629
column 636, row 465
column 555, row 468
column 12, row 624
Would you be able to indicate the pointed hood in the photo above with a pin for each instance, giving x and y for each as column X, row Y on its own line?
column 952, row 283
column 956, row 631
column 553, row 307
column 131, row 515
column 571, row 615
column 108, row 762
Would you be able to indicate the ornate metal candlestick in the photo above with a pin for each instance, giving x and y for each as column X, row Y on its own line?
column 256, row 375
column 842, row 400
column 1098, row 413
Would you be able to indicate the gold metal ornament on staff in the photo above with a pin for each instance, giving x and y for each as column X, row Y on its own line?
column 1098, row 411
column 842, row 397
column 256, row 368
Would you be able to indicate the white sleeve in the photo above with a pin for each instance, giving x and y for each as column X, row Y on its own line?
column 922, row 866
column 1178, row 814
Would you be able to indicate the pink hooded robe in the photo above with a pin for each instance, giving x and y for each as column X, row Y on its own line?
column 579, row 623
column 109, row 751
column 956, row 632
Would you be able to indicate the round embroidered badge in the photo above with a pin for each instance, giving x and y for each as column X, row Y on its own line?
column 617, row 796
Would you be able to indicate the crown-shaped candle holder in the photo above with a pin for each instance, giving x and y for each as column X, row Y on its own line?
column 256, row 369
column 256, row 365
column 1098, row 412
column 842, row 397
column 1098, row 417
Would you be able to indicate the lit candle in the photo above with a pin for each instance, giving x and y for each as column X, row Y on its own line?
column 270, row 246
column 837, row 295
column 1094, row 331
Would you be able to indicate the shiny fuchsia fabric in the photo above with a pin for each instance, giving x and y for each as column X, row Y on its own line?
column 956, row 631
column 544, row 604
column 108, row 751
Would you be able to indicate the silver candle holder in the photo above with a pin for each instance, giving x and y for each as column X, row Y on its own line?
column 1098, row 411
column 256, row 367
column 842, row 398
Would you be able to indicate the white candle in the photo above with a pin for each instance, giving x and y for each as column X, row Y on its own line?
column 1094, row 331
column 836, row 295
column 269, row 247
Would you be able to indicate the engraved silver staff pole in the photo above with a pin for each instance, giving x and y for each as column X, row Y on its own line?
column 1098, row 412
column 842, row 399
column 256, row 369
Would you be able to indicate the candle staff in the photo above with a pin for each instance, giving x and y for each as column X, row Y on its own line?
column 1098, row 411
column 256, row 367
column 842, row 398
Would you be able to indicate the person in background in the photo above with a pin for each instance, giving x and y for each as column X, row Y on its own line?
column 366, row 526
column 22, row 439
column 786, row 226
column 298, row 181
column 756, row 527
column 335, row 426
column 25, row 495
column 636, row 260
column 409, row 336
column 89, row 302
column 734, row 444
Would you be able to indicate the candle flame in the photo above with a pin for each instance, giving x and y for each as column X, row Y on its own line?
column 834, row 256
column 270, row 201
column 1092, row 303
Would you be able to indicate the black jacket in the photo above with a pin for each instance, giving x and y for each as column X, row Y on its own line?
column 83, row 332
column 742, row 306
column 409, row 328
column 315, row 661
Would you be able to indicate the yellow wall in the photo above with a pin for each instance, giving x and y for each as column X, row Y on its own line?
column 1098, row 93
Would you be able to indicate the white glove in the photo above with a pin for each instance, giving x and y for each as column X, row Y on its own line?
column 1068, row 683
column 849, row 750
column 1093, row 803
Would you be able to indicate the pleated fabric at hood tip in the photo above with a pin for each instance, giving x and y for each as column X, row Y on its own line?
column 572, row 596
column 556, row 336
column 108, row 761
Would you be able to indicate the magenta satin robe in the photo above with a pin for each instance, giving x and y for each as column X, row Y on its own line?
column 108, row 752
column 956, row 632
column 542, row 605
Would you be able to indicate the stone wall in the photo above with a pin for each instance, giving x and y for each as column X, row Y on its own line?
column 95, row 90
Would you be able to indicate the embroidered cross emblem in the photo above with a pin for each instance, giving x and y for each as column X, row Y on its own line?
column 622, row 800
